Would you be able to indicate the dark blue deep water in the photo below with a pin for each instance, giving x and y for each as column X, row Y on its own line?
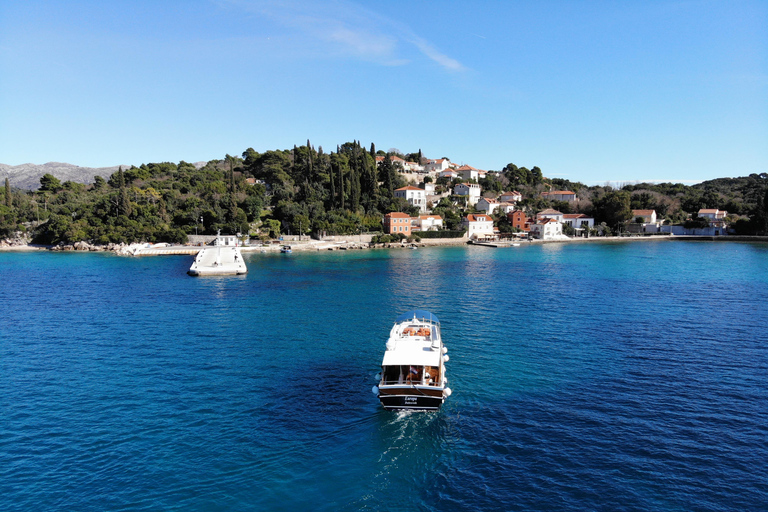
column 624, row 376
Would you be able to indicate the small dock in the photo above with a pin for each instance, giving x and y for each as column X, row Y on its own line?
column 218, row 261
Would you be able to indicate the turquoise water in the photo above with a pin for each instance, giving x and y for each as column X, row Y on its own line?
column 626, row 376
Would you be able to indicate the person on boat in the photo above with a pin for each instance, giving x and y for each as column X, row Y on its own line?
column 413, row 374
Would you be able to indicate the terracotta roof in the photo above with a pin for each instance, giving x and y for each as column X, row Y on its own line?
column 478, row 218
column 398, row 215
column 575, row 216
column 550, row 211
column 430, row 217
column 644, row 213
column 561, row 192
column 709, row 210
column 409, row 187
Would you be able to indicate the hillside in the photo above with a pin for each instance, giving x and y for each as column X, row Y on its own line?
column 308, row 191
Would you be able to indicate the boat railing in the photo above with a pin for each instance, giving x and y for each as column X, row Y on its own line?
column 405, row 382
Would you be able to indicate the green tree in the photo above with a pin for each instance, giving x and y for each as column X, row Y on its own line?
column 613, row 208
column 49, row 183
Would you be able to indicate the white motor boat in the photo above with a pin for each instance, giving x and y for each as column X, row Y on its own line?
column 413, row 369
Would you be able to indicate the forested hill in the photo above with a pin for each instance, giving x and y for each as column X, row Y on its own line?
column 307, row 190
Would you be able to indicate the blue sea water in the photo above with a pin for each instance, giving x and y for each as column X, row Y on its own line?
column 601, row 376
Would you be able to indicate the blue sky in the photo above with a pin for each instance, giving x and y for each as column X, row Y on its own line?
column 590, row 91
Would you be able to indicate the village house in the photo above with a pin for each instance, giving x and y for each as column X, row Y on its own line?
column 414, row 167
column 450, row 174
column 430, row 222
column 467, row 172
column 550, row 214
column 713, row 214
column 578, row 221
column 396, row 223
column 648, row 222
column 478, row 226
column 511, row 197
column 487, row 205
column 507, row 207
column 560, row 195
column 547, row 229
column 648, row 216
column 471, row 190
column 414, row 195
column 519, row 220
column 439, row 165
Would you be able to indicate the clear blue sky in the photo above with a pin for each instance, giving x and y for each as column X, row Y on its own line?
column 591, row 91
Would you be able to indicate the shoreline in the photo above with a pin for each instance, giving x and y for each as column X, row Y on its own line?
column 319, row 245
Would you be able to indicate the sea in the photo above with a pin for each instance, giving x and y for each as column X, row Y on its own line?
column 586, row 376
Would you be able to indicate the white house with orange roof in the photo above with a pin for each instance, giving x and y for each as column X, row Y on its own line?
column 713, row 214
column 478, row 226
column 649, row 216
column 430, row 222
column 471, row 190
column 487, row 205
column 397, row 161
column 450, row 174
column 578, row 220
column 439, row 165
column 547, row 229
column 468, row 172
column 414, row 195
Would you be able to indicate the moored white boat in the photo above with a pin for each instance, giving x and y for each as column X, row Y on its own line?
column 413, row 369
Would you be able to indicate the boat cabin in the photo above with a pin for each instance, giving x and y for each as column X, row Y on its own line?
column 410, row 374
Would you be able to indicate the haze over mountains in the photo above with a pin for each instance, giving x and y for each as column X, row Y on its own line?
column 27, row 176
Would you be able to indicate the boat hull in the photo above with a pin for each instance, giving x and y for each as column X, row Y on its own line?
column 411, row 398
column 412, row 402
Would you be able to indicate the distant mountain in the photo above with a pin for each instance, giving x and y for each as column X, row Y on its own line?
column 27, row 176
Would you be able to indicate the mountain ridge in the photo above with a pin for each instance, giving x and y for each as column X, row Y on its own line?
column 27, row 176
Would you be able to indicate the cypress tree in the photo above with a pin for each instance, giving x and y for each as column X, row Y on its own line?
column 322, row 161
column 8, row 200
column 341, row 180
column 124, row 204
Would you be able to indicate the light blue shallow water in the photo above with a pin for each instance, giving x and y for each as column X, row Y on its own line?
column 628, row 376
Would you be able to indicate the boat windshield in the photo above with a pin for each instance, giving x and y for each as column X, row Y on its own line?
column 418, row 314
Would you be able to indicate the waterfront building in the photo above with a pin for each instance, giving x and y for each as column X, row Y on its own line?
column 397, row 223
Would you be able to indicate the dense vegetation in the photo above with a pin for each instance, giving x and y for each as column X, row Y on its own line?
column 305, row 190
